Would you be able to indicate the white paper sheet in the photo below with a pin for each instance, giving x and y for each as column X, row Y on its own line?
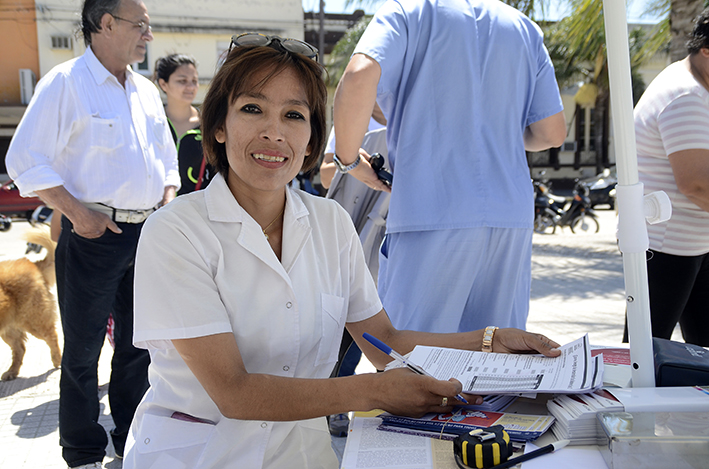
column 574, row 371
column 370, row 448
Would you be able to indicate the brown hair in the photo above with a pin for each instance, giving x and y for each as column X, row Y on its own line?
column 233, row 79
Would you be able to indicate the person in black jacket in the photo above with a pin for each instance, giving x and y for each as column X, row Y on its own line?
column 177, row 76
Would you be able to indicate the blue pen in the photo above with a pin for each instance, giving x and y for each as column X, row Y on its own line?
column 393, row 354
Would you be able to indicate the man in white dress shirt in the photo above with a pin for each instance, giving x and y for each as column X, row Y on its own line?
column 94, row 143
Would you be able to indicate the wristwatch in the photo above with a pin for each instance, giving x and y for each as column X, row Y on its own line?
column 346, row 169
column 487, row 338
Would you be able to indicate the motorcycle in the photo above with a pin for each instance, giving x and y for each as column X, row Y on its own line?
column 602, row 188
column 552, row 211
column 577, row 213
column 546, row 208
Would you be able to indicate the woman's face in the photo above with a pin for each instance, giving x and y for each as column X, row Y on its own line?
column 183, row 84
column 266, row 134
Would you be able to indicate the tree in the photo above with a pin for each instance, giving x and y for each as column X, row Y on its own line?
column 341, row 53
column 678, row 21
column 681, row 20
column 577, row 45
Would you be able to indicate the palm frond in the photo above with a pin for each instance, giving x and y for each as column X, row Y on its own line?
column 341, row 53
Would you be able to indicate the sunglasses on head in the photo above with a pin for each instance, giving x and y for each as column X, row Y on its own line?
column 280, row 44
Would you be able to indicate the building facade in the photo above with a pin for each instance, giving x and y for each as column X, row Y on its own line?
column 44, row 35
column 589, row 143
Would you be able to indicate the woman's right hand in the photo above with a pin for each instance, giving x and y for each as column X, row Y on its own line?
column 403, row 392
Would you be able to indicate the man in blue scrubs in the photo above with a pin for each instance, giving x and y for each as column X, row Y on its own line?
column 466, row 86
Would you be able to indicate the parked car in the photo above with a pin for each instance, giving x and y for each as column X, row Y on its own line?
column 602, row 188
column 12, row 205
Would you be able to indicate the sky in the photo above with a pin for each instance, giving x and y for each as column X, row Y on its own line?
column 338, row 6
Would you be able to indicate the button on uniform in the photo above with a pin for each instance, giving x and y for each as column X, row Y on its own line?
column 289, row 305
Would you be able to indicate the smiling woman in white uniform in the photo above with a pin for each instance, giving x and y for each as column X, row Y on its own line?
column 243, row 290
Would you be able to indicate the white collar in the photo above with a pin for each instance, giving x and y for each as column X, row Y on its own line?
column 223, row 207
column 98, row 71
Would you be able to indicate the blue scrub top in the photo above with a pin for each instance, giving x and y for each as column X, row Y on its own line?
column 461, row 80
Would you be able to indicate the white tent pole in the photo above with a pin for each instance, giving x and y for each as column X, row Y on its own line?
column 632, row 231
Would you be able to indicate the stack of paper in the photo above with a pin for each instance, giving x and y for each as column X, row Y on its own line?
column 576, row 415
column 447, row 426
column 616, row 365
column 574, row 371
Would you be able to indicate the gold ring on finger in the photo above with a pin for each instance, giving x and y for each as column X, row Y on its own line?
column 444, row 402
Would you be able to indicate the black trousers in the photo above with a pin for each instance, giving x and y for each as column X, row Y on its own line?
column 679, row 292
column 95, row 279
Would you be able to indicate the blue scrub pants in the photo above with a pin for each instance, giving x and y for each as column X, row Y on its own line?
column 456, row 280
column 95, row 278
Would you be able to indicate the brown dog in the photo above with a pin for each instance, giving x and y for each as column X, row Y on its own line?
column 27, row 305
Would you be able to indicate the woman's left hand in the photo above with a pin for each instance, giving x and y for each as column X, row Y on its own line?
column 519, row 341
column 364, row 173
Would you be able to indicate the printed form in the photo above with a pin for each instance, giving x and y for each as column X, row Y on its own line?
column 370, row 448
column 574, row 371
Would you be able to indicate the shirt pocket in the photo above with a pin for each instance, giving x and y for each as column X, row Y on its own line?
column 332, row 318
column 171, row 443
column 160, row 131
column 106, row 133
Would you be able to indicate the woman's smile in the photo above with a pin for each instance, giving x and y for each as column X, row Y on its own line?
column 266, row 134
column 269, row 158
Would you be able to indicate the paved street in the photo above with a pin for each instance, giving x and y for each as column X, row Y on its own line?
column 29, row 405
column 577, row 287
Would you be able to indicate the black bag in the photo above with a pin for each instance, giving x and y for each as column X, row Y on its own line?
column 680, row 364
